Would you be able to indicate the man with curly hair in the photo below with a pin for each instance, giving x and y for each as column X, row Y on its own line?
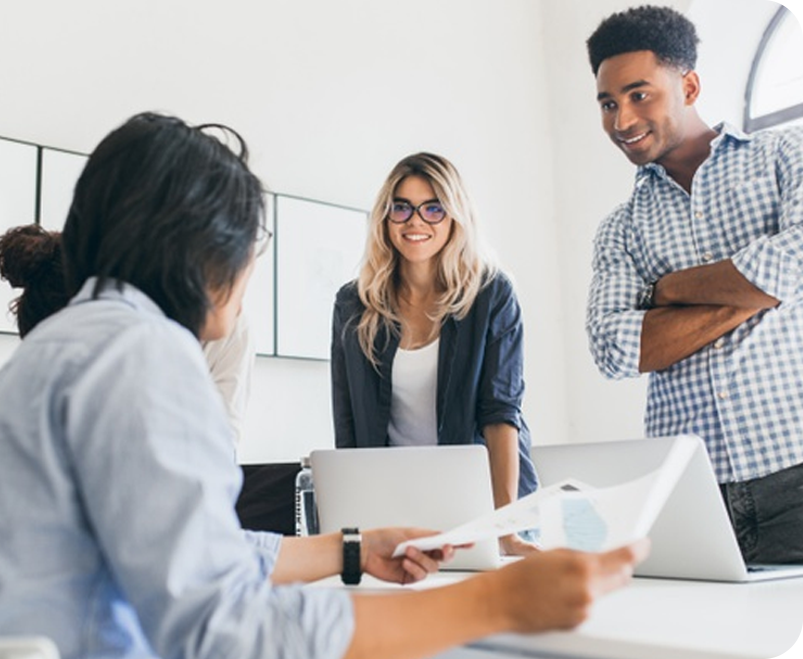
column 698, row 276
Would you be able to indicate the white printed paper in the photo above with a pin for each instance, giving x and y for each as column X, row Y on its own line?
column 576, row 515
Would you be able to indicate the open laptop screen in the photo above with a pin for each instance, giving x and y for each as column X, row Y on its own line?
column 432, row 487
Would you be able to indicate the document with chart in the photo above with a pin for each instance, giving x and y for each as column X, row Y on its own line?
column 576, row 515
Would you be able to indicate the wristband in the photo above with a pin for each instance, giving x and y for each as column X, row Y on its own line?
column 647, row 297
column 352, row 570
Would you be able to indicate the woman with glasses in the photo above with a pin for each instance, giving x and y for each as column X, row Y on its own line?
column 427, row 343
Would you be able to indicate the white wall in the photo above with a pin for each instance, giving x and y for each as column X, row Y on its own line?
column 329, row 95
column 592, row 177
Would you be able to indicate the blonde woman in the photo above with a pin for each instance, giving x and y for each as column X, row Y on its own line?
column 427, row 344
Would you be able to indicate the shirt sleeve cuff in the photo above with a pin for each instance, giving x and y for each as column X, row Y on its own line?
column 266, row 545
column 769, row 268
column 618, row 351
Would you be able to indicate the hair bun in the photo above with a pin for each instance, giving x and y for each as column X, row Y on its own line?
column 27, row 253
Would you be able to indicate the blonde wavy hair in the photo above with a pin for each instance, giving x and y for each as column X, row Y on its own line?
column 463, row 266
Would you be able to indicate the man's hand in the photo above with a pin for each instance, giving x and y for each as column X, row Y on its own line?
column 414, row 565
column 555, row 589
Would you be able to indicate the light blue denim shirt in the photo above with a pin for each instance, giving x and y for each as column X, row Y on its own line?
column 118, row 536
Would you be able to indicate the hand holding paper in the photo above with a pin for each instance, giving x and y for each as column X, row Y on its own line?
column 576, row 515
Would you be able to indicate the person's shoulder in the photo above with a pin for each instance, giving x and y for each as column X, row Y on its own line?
column 619, row 216
column 789, row 137
column 348, row 296
column 104, row 334
column 497, row 285
column 497, row 280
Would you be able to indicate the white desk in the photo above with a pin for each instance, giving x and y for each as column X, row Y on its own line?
column 656, row 619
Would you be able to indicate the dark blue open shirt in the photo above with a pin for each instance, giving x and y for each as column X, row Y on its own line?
column 480, row 375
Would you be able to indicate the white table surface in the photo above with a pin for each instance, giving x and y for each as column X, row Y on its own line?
column 655, row 619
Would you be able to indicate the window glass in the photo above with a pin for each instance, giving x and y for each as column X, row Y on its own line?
column 775, row 87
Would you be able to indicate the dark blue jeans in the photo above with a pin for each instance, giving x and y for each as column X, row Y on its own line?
column 767, row 515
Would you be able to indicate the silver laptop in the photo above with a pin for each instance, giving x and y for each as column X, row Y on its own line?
column 692, row 538
column 432, row 487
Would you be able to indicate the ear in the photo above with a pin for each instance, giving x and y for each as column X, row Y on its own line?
column 691, row 87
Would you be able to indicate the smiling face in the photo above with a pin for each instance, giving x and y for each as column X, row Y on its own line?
column 644, row 105
column 415, row 240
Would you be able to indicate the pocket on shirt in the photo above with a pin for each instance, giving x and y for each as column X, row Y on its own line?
column 750, row 210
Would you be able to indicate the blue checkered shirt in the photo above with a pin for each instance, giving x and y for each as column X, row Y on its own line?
column 743, row 393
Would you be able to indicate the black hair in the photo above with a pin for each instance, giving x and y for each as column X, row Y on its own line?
column 167, row 208
column 30, row 259
column 662, row 30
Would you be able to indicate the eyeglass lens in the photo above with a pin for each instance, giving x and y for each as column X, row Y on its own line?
column 430, row 211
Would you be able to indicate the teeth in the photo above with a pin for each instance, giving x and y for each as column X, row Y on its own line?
column 416, row 237
column 633, row 140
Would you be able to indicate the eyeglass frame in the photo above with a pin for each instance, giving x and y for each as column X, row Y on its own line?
column 416, row 210
column 262, row 240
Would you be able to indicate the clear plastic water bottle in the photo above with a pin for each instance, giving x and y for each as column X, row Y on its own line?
column 306, row 510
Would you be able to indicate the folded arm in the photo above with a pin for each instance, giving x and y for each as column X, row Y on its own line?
column 695, row 307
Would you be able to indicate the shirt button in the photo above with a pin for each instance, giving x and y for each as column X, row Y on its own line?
column 719, row 343
column 722, row 395
column 707, row 256
column 699, row 215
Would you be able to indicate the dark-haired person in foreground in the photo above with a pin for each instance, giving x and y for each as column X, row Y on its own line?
column 119, row 536
column 30, row 259
column 698, row 276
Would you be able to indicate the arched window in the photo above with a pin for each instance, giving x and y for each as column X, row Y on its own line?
column 774, row 93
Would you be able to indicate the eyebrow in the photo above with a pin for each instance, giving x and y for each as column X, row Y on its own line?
column 427, row 201
column 625, row 89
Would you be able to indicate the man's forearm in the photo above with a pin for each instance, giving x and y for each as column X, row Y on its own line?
column 670, row 334
column 719, row 284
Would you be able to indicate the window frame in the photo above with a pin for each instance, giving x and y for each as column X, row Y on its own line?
column 751, row 123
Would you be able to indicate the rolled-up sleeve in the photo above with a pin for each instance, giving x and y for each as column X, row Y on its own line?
column 613, row 323
column 501, row 387
column 774, row 262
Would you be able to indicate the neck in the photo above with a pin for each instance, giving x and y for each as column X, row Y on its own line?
column 682, row 163
column 418, row 280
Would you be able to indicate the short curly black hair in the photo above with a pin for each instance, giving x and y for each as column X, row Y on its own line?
column 663, row 30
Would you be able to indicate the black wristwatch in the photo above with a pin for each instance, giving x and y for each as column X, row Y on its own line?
column 647, row 297
column 352, row 570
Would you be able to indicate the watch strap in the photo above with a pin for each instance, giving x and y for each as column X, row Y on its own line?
column 647, row 296
column 352, row 570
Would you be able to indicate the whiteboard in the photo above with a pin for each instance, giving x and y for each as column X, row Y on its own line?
column 60, row 172
column 17, row 206
column 316, row 248
column 258, row 303
column 319, row 248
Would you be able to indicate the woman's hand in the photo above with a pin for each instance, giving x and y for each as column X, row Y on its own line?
column 514, row 545
column 377, row 551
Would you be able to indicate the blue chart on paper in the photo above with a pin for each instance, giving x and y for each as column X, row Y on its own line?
column 584, row 528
